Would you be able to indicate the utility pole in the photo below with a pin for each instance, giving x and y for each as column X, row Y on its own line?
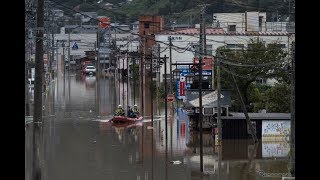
column 253, row 134
column 68, row 53
column 170, row 54
column 151, row 89
column 38, row 85
column 165, row 95
column 142, row 75
column 64, row 70
column 63, row 59
column 39, row 64
column 98, row 55
column 200, row 86
column 158, row 68
column 219, row 104
column 134, row 79
column 293, row 114
column 128, row 75
column 48, row 55
column 122, row 81
column 52, row 50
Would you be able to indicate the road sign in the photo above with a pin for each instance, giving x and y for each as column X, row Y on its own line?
column 104, row 22
column 170, row 98
column 75, row 46
column 103, row 50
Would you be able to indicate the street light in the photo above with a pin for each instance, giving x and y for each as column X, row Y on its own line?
column 189, row 78
column 176, row 74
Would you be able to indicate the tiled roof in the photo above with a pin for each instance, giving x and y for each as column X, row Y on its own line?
column 192, row 31
column 220, row 31
column 263, row 116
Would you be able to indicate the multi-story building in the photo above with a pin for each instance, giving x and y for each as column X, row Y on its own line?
column 249, row 22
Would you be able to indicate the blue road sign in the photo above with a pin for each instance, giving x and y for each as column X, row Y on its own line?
column 75, row 46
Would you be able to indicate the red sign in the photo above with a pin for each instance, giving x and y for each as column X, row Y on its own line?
column 170, row 97
column 182, row 86
column 207, row 61
column 104, row 22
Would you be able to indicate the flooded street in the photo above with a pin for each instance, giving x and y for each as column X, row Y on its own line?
column 78, row 142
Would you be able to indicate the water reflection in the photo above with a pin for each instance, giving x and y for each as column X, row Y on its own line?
column 90, row 81
column 81, row 145
column 127, row 129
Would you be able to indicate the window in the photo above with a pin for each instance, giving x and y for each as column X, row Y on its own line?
column 232, row 28
column 146, row 25
column 261, row 81
column 208, row 111
column 277, row 45
column 231, row 46
column 235, row 46
column 260, row 23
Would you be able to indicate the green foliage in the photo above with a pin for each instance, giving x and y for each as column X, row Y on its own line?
column 160, row 93
column 254, row 94
column 278, row 98
column 257, row 53
column 184, row 11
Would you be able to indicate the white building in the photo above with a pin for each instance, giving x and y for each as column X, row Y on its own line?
column 240, row 22
column 87, row 41
column 186, row 42
column 249, row 22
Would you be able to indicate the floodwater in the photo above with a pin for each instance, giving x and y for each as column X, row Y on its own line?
column 78, row 142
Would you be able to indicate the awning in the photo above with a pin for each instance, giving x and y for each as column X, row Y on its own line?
column 209, row 98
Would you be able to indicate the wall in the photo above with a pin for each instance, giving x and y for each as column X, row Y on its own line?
column 240, row 20
column 226, row 19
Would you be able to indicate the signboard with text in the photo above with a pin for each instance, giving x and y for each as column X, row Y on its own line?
column 181, row 83
column 207, row 61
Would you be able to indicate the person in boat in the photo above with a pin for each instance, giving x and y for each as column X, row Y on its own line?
column 119, row 111
column 135, row 110
column 130, row 112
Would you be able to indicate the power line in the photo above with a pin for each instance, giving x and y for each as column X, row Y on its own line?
column 129, row 30
column 194, row 51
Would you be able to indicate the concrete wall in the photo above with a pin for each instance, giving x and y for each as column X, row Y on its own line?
column 243, row 21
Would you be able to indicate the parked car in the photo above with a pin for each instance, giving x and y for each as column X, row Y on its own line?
column 90, row 70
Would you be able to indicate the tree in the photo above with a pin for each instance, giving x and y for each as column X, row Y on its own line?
column 278, row 98
column 264, row 62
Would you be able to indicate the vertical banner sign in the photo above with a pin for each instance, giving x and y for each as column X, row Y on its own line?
column 182, row 85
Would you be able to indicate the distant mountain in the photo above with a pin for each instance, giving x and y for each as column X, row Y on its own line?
column 179, row 11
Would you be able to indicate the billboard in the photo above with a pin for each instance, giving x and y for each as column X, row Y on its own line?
column 208, row 61
column 275, row 130
column 182, row 84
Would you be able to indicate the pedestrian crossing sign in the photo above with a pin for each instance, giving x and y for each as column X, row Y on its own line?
column 75, row 46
